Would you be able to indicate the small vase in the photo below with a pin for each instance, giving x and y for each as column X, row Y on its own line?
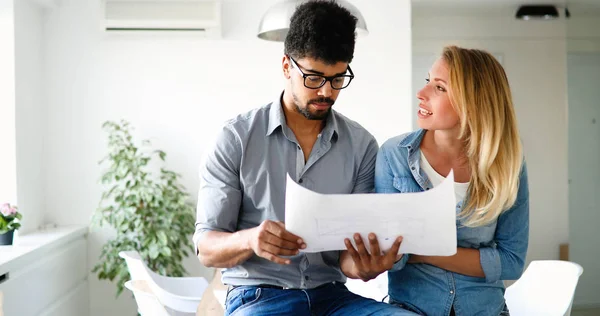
column 7, row 238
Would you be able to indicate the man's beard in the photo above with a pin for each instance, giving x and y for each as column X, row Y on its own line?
column 319, row 115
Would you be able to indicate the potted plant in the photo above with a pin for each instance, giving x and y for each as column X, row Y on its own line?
column 9, row 222
column 146, row 206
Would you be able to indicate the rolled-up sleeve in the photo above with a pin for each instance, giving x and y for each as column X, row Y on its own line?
column 506, row 260
column 219, row 196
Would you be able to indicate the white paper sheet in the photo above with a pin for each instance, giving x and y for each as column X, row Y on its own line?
column 425, row 220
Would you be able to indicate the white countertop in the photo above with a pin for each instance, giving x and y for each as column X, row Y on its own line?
column 29, row 246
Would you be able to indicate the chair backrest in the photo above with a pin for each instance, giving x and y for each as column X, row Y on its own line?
column 181, row 294
column 148, row 304
column 546, row 287
column 136, row 266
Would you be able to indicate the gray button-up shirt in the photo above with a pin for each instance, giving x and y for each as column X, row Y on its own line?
column 243, row 177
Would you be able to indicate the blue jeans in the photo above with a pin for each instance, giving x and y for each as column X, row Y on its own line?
column 330, row 299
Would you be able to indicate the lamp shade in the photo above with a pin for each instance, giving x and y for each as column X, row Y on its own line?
column 541, row 12
column 275, row 23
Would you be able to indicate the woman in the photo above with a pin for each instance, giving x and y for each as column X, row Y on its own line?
column 468, row 125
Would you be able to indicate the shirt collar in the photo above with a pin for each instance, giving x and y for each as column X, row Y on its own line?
column 276, row 116
column 413, row 140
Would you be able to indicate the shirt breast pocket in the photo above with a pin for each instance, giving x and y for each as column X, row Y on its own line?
column 406, row 185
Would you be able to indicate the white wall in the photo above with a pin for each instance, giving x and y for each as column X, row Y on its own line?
column 30, row 113
column 534, row 56
column 584, row 152
column 584, row 172
column 8, row 159
column 177, row 90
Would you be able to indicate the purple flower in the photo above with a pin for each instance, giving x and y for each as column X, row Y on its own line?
column 7, row 210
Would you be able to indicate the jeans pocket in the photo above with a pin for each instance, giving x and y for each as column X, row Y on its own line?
column 242, row 298
column 407, row 307
column 250, row 295
column 233, row 300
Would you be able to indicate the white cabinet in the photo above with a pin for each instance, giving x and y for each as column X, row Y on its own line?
column 47, row 280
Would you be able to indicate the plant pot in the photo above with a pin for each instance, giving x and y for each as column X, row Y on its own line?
column 7, row 238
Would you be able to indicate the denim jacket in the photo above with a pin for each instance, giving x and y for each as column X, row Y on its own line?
column 429, row 290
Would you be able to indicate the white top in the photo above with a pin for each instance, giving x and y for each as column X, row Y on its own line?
column 460, row 188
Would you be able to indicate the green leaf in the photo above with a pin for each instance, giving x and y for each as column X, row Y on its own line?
column 166, row 251
column 153, row 251
column 162, row 238
column 148, row 210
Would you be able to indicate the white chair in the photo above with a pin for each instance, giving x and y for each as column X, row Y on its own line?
column 546, row 288
column 180, row 294
column 148, row 304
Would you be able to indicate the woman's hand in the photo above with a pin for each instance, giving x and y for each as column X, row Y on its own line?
column 417, row 259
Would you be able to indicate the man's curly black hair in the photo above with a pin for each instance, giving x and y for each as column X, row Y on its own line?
column 323, row 30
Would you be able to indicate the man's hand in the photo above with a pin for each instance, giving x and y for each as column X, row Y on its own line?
column 369, row 266
column 270, row 240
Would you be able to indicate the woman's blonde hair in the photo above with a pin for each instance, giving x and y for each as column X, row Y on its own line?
column 480, row 95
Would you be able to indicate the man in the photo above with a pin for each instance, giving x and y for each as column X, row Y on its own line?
column 241, row 199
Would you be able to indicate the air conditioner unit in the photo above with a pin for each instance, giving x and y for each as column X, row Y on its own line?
column 203, row 16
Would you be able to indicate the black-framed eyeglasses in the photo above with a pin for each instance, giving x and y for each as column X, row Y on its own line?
column 313, row 81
